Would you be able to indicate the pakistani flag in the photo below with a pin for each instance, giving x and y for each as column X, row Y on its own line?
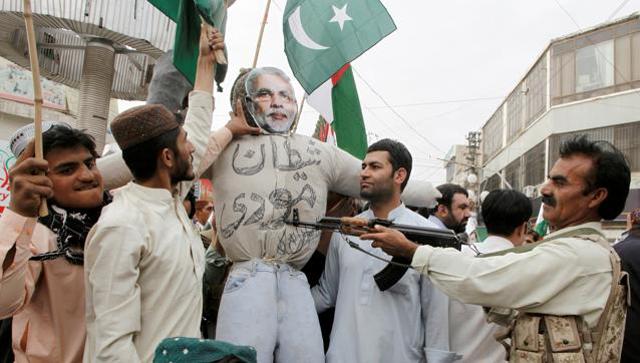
column 186, row 14
column 321, row 36
column 337, row 102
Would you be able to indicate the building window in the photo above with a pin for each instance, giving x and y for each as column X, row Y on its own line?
column 536, row 91
column 513, row 174
column 515, row 106
column 492, row 135
column 533, row 165
column 594, row 66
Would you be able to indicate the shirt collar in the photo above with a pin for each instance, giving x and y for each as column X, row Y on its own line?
column 393, row 214
column 437, row 221
column 498, row 242
column 593, row 225
column 151, row 195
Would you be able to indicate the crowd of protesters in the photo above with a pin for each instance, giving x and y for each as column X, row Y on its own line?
column 129, row 265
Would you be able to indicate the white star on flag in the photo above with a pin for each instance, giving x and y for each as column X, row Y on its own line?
column 340, row 16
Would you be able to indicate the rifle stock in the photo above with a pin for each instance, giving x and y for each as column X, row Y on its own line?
column 393, row 272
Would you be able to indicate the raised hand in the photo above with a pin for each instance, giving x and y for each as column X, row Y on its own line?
column 211, row 39
column 28, row 184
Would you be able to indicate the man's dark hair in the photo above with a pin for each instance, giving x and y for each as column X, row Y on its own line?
column 610, row 171
column 448, row 191
column 399, row 156
column 504, row 210
column 142, row 158
column 65, row 137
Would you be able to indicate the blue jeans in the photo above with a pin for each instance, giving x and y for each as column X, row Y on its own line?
column 268, row 306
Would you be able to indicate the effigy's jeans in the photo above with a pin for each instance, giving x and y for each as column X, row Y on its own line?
column 268, row 306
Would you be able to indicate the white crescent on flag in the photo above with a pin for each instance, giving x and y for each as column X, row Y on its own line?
column 300, row 35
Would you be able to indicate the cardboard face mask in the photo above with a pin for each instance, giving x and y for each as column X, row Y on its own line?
column 270, row 100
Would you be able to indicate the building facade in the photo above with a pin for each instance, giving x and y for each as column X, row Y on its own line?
column 583, row 83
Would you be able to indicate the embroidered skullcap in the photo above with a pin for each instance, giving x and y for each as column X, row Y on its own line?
column 239, row 92
column 182, row 349
column 139, row 124
column 20, row 139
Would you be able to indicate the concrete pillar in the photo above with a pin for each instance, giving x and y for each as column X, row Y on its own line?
column 95, row 90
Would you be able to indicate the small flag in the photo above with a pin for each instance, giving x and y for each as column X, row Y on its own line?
column 542, row 226
column 337, row 102
column 321, row 36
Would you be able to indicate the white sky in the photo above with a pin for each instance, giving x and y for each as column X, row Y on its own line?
column 443, row 52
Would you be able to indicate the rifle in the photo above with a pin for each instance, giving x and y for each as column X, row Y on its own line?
column 398, row 266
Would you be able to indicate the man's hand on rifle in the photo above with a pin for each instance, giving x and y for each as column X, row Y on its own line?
column 391, row 241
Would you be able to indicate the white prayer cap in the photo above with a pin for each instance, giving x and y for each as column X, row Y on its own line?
column 20, row 139
column 421, row 194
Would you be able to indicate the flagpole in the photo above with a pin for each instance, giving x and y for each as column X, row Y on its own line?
column 264, row 22
column 37, row 89
column 295, row 122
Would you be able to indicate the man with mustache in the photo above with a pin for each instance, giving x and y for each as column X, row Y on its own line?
column 570, row 293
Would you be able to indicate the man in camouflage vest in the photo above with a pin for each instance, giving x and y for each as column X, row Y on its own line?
column 564, row 299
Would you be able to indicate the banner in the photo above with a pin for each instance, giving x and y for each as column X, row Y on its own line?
column 6, row 161
column 16, row 84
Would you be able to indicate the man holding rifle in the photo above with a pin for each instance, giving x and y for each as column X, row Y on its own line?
column 568, row 294
column 371, row 325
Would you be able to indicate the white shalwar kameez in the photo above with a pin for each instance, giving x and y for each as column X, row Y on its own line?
column 379, row 326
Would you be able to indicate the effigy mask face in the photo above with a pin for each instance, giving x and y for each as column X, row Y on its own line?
column 270, row 100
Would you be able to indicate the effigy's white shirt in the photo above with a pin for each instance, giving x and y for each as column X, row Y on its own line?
column 259, row 180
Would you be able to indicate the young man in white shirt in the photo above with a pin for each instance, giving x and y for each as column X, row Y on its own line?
column 144, row 261
column 506, row 214
column 371, row 325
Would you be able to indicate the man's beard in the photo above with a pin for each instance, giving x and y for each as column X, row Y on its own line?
column 454, row 225
column 184, row 172
column 376, row 194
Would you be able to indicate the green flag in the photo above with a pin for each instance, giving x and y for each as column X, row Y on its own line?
column 321, row 36
column 338, row 103
column 186, row 14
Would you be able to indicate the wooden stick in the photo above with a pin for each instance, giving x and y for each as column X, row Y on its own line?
column 264, row 22
column 220, row 58
column 295, row 122
column 37, row 88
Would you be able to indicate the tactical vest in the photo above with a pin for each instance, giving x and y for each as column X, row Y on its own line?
column 540, row 338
